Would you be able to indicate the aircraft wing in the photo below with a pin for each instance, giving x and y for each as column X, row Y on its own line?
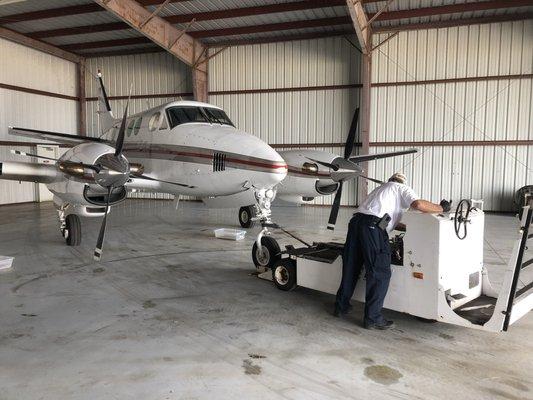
column 57, row 137
column 370, row 157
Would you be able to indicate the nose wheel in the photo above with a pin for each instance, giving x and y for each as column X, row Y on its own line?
column 246, row 215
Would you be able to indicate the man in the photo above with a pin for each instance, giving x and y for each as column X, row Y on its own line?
column 367, row 243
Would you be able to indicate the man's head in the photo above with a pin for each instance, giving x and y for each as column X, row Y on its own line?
column 398, row 177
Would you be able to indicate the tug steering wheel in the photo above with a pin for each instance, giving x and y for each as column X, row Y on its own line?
column 461, row 218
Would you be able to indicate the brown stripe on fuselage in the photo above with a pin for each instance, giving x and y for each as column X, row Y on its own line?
column 203, row 156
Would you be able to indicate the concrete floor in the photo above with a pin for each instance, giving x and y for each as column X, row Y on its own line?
column 172, row 313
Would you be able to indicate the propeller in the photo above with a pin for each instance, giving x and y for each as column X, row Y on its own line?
column 345, row 168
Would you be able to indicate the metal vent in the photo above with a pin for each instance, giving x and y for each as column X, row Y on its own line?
column 219, row 162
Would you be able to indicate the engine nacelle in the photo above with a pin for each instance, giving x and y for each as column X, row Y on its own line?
column 306, row 179
column 85, row 187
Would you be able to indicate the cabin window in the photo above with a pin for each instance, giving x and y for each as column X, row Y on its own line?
column 217, row 116
column 155, row 121
column 184, row 115
column 137, row 126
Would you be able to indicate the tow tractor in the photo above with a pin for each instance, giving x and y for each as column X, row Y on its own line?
column 437, row 269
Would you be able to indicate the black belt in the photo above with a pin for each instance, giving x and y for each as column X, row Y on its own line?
column 372, row 219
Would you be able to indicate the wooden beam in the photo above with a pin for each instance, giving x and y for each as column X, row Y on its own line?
column 283, row 26
column 82, row 101
column 451, row 9
column 38, row 45
column 199, row 76
column 155, row 29
column 455, row 22
column 199, row 16
column 66, row 11
column 360, row 24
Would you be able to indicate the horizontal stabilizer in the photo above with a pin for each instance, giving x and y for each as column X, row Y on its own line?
column 57, row 137
column 370, row 157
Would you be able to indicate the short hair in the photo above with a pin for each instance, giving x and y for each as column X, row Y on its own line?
column 398, row 177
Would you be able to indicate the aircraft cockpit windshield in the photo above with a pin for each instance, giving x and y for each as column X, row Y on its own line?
column 187, row 114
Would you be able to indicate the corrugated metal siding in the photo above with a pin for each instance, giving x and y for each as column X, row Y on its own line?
column 317, row 116
column 456, row 111
column 25, row 67
column 14, row 192
column 152, row 73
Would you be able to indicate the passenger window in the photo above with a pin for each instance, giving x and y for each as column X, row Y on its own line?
column 137, row 126
column 155, row 122
column 129, row 129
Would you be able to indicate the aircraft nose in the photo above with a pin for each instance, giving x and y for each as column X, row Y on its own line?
column 268, row 164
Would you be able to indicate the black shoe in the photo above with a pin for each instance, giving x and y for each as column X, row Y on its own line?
column 380, row 326
column 338, row 313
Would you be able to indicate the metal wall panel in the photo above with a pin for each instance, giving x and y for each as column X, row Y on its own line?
column 152, row 73
column 483, row 110
column 28, row 68
column 291, row 117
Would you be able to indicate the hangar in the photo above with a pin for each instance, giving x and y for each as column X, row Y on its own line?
column 143, row 126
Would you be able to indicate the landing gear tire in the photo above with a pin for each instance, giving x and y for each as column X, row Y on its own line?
column 245, row 217
column 268, row 256
column 284, row 274
column 72, row 231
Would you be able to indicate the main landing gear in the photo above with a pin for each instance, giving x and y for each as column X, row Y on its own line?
column 70, row 227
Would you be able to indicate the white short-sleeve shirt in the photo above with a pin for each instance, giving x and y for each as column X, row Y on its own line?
column 390, row 198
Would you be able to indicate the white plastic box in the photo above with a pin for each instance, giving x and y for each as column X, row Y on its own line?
column 229, row 234
column 5, row 263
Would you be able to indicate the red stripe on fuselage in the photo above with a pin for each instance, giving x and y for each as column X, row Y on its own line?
column 275, row 166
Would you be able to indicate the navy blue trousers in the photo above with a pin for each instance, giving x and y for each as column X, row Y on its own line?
column 369, row 245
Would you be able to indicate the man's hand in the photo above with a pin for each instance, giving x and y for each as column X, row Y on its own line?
column 446, row 205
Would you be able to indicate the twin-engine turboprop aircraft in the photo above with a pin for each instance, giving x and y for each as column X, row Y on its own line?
column 181, row 148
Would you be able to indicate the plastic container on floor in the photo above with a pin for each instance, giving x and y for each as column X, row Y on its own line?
column 229, row 234
column 5, row 262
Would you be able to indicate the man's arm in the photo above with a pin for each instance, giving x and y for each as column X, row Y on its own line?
column 426, row 206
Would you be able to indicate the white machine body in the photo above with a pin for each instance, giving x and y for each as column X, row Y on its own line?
column 443, row 277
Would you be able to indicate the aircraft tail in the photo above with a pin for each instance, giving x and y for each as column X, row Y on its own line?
column 107, row 119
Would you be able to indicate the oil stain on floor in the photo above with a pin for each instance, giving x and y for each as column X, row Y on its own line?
column 250, row 368
column 383, row 375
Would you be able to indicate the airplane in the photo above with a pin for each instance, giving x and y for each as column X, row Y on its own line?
column 182, row 148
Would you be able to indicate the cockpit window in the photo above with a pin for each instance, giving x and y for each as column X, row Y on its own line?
column 217, row 116
column 183, row 115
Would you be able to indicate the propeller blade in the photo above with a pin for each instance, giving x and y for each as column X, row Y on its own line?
column 325, row 164
column 101, row 235
column 348, row 148
column 122, row 132
column 371, row 179
column 23, row 153
column 335, row 208
column 370, row 157
column 159, row 180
